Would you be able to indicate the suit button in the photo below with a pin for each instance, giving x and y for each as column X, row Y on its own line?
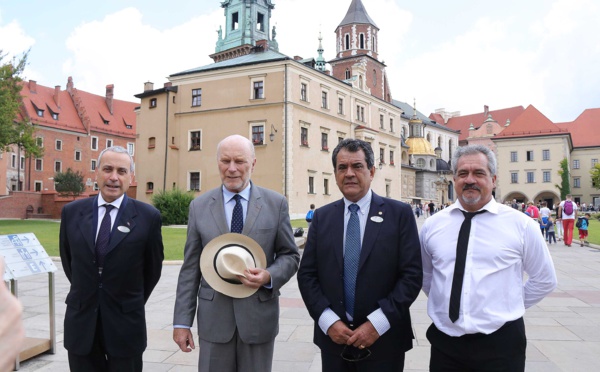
column 100, row 285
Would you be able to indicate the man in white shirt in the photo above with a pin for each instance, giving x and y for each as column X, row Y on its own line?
column 477, row 311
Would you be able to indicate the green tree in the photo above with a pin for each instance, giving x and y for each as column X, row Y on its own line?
column 173, row 206
column 565, row 185
column 595, row 173
column 69, row 183
column 13, row 130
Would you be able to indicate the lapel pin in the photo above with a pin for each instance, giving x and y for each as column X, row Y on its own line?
column 123, row 229
column 377, row 219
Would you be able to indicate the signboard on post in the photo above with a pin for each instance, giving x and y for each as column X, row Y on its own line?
column 24, row 256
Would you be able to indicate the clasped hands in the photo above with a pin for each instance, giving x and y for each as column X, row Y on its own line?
column 362, row 337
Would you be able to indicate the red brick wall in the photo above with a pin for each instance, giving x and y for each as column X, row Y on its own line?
column 15, row 205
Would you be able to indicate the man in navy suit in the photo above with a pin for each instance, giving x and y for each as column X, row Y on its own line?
column 362, row 318
column 111, row 250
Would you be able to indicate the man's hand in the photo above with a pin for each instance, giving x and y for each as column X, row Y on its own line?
column 255, row 278
column 364, row 336
column 11, row 326
column 339, row 333
column 184, row 339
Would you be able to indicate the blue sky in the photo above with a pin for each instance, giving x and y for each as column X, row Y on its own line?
column 459, row 55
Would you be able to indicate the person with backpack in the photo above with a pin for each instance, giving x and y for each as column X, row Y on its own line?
column 582, row 225
column 568, row 210
column 309, row 215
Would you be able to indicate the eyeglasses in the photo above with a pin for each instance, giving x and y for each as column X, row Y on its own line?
column 353, row 354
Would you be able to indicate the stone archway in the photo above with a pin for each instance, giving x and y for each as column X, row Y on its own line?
column 551, row 197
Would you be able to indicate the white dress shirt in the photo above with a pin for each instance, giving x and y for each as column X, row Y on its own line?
column 503, row 244
column 229, row 202
column 102, row 211
column 377, row 317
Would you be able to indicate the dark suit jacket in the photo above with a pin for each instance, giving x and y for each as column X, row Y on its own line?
column 389, row 277
column 132, row 268
column 256, row 318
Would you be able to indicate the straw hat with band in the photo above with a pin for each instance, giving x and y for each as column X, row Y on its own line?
column 227, row 256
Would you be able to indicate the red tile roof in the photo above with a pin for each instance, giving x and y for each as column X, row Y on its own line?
column 585, row 130
column 97, row 110
column 463, row 122
column 530, row 123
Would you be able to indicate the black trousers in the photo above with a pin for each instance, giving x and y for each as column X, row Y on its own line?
column 501, row 351
column 98, row 359
column 334, row 362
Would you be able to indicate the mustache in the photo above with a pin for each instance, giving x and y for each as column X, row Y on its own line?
column 471, row 187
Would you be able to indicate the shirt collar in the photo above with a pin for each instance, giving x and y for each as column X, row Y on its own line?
column 245, row 193
column 491, row 206
column 115, row 203
column 362, row 203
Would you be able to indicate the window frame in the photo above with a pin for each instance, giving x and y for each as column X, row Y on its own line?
column 190, row 173
column 191, row 139
column 94, row 141
column 58, row 145
column 197, row 97
column 41, row 164
column 258, row 135
column 514, row 156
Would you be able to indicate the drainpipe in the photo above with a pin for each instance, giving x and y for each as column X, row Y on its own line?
column 166, row 142
column 285, row 132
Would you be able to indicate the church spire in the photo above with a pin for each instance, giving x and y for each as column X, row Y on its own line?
column 357, row 14
column 320, row 60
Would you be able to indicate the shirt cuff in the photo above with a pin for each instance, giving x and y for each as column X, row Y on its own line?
column 326, row 320
column 379, row 321
column 181, row 326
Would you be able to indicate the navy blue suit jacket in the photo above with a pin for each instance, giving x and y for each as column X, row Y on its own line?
column 389, row 276
column 132, row 268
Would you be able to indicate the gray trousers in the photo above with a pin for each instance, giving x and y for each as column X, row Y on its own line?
column 235, row 356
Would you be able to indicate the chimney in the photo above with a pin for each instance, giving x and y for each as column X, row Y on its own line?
column 57, row 95
column 264, row 44
column 32, row 86
column 297, row 58
column 168, row 84
column 148, row 86
column 70, row 84
column 109, row 97
column 486, row 111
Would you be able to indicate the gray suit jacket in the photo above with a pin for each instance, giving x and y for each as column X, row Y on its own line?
column 256, row 317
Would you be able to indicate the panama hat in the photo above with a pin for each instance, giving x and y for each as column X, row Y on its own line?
column 227, row 256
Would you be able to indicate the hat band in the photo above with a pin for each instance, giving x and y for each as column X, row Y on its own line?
column 230, row 281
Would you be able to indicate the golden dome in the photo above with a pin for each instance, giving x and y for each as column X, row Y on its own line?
column 419, row 146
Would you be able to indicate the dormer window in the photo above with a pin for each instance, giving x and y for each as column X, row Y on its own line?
column 105, row 121
column 54, row 115
column 40, row 113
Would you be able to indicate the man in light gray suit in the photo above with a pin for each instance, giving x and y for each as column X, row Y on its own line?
column 236, row 334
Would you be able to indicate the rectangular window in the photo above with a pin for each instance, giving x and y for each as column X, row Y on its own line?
column 196, row 97
column 58, row 166
column 94, row 143
column 575, row 164
column 22, row 162
column 326, row 186
column 324, row 145
column 235, row 21
column 260, row 22
column 258, row 134
column 546, row 175
column 391, row 125
column 39, row 164
column 513, row 157
column 360, row 113
column 109, row 143
column 195, row 181
column 39, row 141
column 304, row 136
column 93, row 165
column 577, row 182
column 514, row 177
column 303, row 92
column 381, row 156
column 131, row 148
column 152, row 102
column 530, row 155
column 381, row 122
column 311, row 185
column 391, row 157
column 13, row 160
column 38, row 186
column 195, row 140
column 545, row 154
column 324, row 103
column 58, row 145
column 77, row 155
column 258, row 90
column 341, row 106
column 594, row 162
column 530, row 177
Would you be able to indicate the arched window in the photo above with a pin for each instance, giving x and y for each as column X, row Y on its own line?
column 347, row 42
column 374, row 77
column 362, row 41
column 347, row 73
column 429, row 137
column 360, row 81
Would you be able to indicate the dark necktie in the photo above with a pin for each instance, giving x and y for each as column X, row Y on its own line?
column 351, row 257
column 237, row 218
column 103, row 236
column 459, row 264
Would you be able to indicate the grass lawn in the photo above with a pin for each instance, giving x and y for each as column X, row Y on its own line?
column 173, row 237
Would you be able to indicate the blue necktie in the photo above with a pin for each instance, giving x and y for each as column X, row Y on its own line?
column 351, row 257
column 103, row 236
column 237, row 218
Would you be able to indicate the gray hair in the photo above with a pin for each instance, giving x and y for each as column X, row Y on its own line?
column 353, row 145
column 473, row 150
column 118, row 150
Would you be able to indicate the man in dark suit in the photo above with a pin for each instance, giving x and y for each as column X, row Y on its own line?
column 111, row 250
column 361, row 270
column 236, row 334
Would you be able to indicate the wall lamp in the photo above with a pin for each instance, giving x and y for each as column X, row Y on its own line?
column 380, row 163
column 272, row 135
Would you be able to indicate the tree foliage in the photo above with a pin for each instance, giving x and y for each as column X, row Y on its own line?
column 565, row 185
column 14, row 131
column 69, row 183
column 173, row 206
column 595, row 173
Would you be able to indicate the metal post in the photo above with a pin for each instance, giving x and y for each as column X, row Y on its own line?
column 14, row 289
column 52, row 311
